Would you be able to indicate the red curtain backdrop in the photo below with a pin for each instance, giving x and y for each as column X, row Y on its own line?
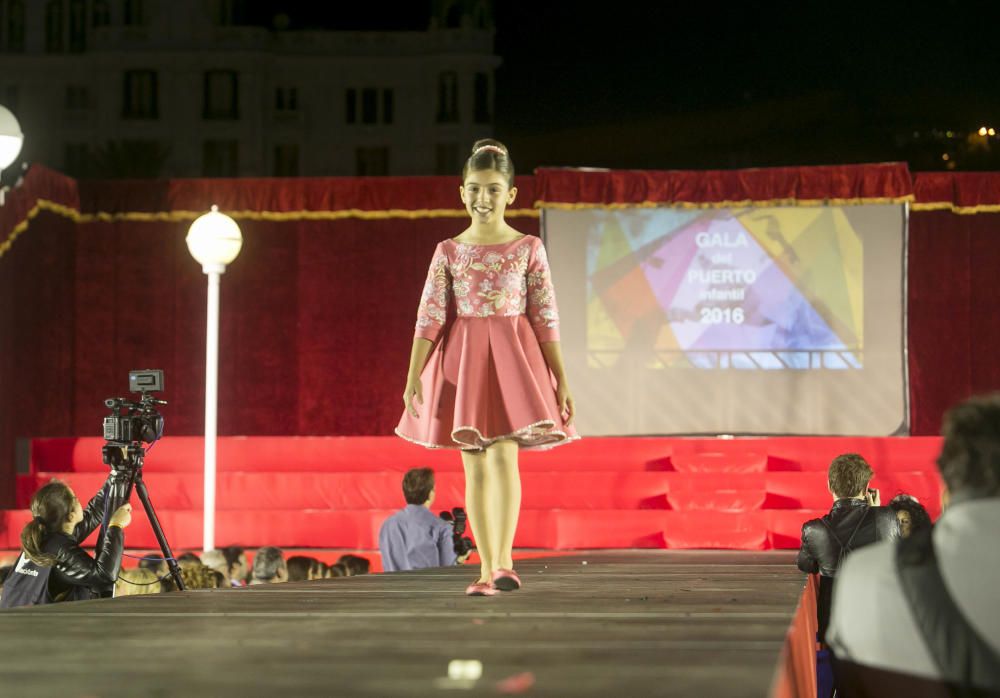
column 318, row 309
column 774, row 185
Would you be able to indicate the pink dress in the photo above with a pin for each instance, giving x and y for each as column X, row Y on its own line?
column 488, row 308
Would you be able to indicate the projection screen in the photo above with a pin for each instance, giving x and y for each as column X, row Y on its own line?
column 783, row 320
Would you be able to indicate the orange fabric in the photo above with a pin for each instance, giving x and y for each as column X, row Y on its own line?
column 796, row 673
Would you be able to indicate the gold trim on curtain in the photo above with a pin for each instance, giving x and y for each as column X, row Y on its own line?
column 181, row 216
column 725, row 204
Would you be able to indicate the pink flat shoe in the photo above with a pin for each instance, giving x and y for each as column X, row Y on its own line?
column 480, row 589
column 506, row 580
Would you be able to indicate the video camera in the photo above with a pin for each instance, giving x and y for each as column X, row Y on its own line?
column 132, row 423
column 458, row 519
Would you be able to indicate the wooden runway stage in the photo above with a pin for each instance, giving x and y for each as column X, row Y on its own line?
column 637, row 623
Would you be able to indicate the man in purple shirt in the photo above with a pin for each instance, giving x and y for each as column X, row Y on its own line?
column 413, row 538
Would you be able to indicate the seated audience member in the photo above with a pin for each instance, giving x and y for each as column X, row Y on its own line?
column 414, row 538
column 188, row 559
column 202, row 577
column 855, row 520
column 137, row 581
column 155, row 564
column 216, row 559
column 196, row 577
column 921, row 617
column 912, row 516
column 236, row 565
column 354, row 564
column 269, row 567
column 336, row 570
column 302, row 568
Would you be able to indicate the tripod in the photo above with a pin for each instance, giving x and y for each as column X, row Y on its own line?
column 126, row 461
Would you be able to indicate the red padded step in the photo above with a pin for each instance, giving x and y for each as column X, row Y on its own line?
column 343, row 453
column 561, row 490
column 555, row 530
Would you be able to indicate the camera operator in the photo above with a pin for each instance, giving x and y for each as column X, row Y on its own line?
column 52, row 566
column 413, row 538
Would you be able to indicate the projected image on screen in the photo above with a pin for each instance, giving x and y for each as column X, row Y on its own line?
column 742, row 320
column 751, row 289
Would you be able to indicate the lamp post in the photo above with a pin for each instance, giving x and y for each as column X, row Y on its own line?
column 214, row 240
column 11, row 140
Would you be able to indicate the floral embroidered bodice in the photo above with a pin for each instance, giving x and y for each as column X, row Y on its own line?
column 479, row 281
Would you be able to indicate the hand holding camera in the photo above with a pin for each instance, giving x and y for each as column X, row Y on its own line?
column 873, row 497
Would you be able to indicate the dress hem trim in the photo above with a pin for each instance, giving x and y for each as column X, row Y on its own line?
column 542, row 442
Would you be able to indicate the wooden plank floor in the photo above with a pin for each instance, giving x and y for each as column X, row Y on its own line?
column 636, row 623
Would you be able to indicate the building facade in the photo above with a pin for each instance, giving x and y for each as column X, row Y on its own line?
column 187, row 88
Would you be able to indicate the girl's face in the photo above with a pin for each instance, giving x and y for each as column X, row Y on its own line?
column 486, row 196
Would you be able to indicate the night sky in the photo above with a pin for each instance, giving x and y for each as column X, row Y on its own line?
column 871, row 82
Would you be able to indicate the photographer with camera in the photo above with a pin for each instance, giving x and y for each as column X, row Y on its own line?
column 856, row 519
column 52, row 566
column 413, row 538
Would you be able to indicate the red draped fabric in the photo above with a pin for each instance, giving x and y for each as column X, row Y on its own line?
column 769, row 186
column 318, row 309
column 960, row 192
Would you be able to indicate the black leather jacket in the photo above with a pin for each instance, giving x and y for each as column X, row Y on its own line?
column 820, row 551
column 76, row 575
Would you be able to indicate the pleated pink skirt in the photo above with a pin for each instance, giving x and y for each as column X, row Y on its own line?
column 486, row 381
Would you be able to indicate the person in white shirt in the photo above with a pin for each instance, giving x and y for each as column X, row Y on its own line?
column 873, row 629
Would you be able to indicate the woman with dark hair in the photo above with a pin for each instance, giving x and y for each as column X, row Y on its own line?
column 486, row 371
column 53, row 567
column 910, row 513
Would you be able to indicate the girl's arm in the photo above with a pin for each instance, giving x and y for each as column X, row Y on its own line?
column 418, row 357
column 431, row 316
column 553, row 357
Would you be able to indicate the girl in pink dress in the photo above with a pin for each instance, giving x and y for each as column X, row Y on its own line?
column 486, row 372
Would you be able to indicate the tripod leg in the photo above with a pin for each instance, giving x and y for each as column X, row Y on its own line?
column 175, row 571
column 116, row 492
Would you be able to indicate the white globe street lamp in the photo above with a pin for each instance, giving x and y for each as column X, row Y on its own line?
column 214, row 240
column 11, row 140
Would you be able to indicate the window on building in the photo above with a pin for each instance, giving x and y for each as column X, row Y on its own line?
column 447, row 97
column 54, row 21
column 351, row 106
column 139, row 98
column 372, row 161
column 231, row 13
column 388, row 99
column 77, row 26
column 446, row 159
column 76, row 159
column 286, row 160
column 101, row 16
column 15, row 26
column 286, row 99
column 221, row 95
column 134, row 14
column 220, row 159
column 369, row 106
column 77, row 97
column 481, row 108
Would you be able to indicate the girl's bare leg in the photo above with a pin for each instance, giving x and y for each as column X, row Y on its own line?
column 504, row 496
column 477, row 507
